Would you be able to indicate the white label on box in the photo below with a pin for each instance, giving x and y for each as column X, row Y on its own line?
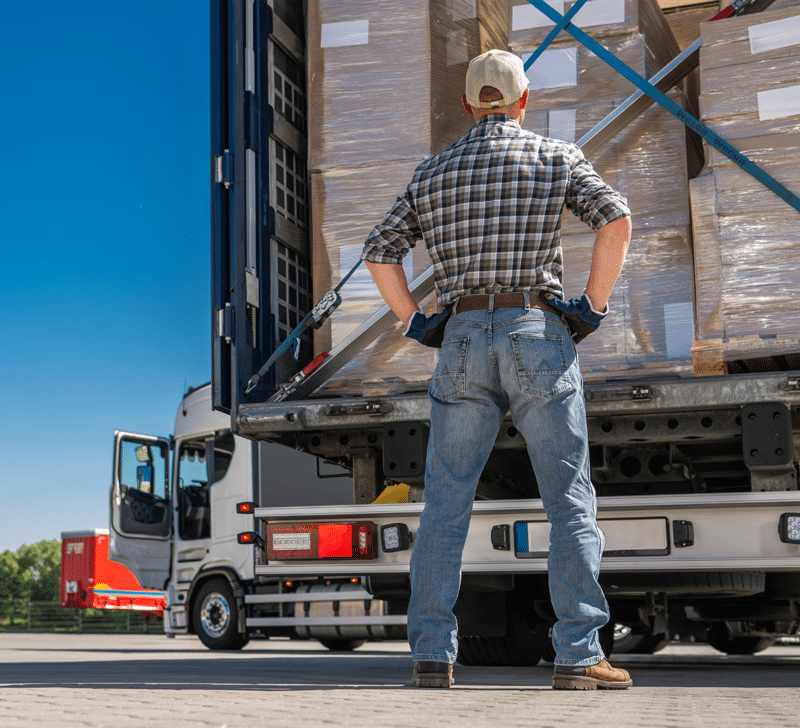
column 457, row 50
column 527, row 16
column 553, row 69
column 561, row 124
column 776, row 34
column 679, row 329
column 778, row 103
column 601, row 12
column 348, row 33
column 462, row 9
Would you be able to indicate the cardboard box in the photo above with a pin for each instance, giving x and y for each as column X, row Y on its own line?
column 747, row 260
column 646, row 162
column 570, row 73
column 348, row 204
column 650, row 326
column 601, row 19
column 385, row 77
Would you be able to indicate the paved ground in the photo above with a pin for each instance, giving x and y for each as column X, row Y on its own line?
column 120, row 681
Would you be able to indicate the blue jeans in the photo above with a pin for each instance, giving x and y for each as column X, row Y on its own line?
column 493, row 361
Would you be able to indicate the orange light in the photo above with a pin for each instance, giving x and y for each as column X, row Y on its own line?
column 246, row 537
column 245, row 507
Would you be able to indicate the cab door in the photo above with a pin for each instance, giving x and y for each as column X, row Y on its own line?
column 141, row 509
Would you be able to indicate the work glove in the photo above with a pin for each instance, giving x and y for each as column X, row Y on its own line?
column 579, row 312
column 428, row 330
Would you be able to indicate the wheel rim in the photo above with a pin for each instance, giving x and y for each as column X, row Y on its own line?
column 215, row 615
column 621, row 631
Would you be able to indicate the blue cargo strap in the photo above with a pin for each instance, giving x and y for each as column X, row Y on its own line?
column 660, row 98
column 560, row 25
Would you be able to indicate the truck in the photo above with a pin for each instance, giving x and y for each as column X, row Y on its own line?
column 696, row 476
column 172, row 546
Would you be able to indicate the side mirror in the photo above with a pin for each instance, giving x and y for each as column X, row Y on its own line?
column 143, row 454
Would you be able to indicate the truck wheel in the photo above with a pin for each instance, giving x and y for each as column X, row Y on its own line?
column 634, row 643
column 607, row 642
column 606, row 636
column 719, row 637
column 520, row 646
column 215, row 617
column 342, row 645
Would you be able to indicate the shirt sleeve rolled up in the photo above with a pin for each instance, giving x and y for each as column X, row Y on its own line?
column 591, row 199
column 390, row 241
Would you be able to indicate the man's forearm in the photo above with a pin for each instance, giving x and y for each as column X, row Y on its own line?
column 391, row 281
column 608, row 257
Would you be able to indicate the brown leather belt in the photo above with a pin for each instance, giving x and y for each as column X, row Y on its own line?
column 501, row 300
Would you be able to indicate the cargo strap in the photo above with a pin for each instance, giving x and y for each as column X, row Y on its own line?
column 315, row 318
column 660, row 98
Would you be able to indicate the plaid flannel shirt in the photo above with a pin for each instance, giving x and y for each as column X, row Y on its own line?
column 489, row 210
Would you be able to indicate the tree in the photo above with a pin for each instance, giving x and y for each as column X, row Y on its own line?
column 13, row 583
column 40, row 566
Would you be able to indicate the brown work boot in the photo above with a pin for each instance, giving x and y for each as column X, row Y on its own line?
column 601, row 675
column 433, row 674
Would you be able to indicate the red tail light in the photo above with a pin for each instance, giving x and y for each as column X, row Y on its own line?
column 314, row 541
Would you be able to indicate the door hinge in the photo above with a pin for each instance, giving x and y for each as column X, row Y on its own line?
column 225, row 323
column 223, row 169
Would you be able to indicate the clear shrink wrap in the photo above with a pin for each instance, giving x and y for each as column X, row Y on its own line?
column 348, row 203
column 747, row 258
column 599, row 19
column 747, row 264
column 647, row 162
column 385, row 80
column 650, row 326
column 385, row 77
column 570, row 73
column 750, row 81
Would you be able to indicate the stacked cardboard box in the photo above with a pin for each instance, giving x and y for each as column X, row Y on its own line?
column 651, row 327
column 746, row 238
column 385, row 79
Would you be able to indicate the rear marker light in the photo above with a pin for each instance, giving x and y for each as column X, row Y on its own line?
column 395, row 537
column 789, row 528
column 314, row 541
column 246, row 507
column 250, row 537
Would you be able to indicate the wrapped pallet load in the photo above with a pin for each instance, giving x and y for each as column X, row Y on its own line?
column 747, row 245
column 385, row 78
column 649, row 162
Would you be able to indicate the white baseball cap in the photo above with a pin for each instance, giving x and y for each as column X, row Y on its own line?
column 500, row 69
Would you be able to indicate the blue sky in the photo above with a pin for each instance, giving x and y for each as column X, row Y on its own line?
column 104, row 192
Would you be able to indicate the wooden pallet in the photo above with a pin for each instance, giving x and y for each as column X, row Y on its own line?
column 745, row 354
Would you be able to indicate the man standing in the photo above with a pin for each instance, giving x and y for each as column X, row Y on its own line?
column 489, row 208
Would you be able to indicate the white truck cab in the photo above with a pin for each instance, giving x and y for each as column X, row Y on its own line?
column 174, row 524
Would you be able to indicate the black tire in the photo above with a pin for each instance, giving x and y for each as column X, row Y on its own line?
column 720, row 639
column 626, row 641
column 341, row 645
column 606, row 635
column 548, row 651
column 607, row 644
column 216, row 618
column 520, row 646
